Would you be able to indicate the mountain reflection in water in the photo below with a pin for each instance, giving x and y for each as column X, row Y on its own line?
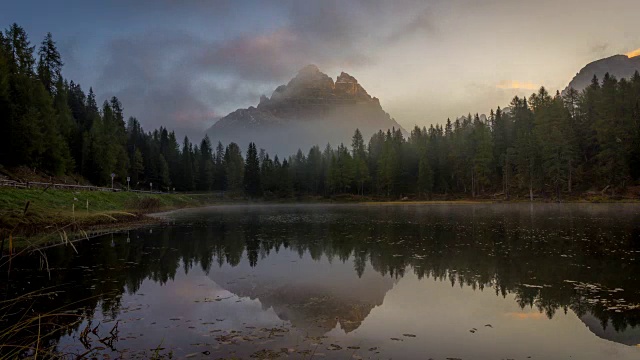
column 411, row 280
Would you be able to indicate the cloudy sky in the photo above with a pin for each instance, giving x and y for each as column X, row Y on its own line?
column 184, row 63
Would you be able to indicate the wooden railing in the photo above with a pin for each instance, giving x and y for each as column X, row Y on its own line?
column 47, row 185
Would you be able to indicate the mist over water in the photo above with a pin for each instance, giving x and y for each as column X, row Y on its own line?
column 377, row 281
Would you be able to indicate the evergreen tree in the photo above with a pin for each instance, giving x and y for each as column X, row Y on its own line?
column 6, row 122
column 20, row 50
column 268, row 179
column 315, row 170
column 137, row 166
column 164, row 179
column 612, row 136
column 526, row 147
column 359, row 164
column 340, row 170
column 188, row 176
column 285, row 186
column 553, row 132
column 206, row 165
column 219, row 173
column 234, row 167
column 388, row 166
column 425, row 175
column 252, row 172
column 49, row 64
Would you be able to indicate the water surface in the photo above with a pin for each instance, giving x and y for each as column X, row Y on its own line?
column 355, row 281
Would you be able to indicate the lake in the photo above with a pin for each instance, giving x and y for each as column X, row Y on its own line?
column 482, row 281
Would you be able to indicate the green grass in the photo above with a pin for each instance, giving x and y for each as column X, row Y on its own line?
column 52, row 210
column 63, row 200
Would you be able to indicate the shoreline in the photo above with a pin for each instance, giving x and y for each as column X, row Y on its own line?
column 30, row 219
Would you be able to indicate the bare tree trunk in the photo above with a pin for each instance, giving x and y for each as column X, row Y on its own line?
column 531, row 190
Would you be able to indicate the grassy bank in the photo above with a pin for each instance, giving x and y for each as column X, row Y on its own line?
column 27, row 212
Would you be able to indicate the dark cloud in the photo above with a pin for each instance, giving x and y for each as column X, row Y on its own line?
column 186, row 78
column 263, row 57
column 156, row 82
column 422, row 23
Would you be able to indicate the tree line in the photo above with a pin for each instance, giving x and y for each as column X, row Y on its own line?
column 544, row 144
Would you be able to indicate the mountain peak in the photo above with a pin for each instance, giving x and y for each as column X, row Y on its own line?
column 311, row 109
column 344, row 77
column 309, row 69
column 620, row 66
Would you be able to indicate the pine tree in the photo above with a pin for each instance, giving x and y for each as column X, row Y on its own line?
column 220, row 177
column 268, row 179
column 315, row 170
column 340, row 170
column 49, row 64
column 188, row 177
column 23, row 131
column 20, row 50
column 553, row 133
column 612, row 136
column 526, row 147
column 252, row 172
column 206, row 165
column 285, row 186
column 483, row 157
column 425, row 175
column 388, row 166
column 5, row 120
column 137, row 166
column 234, row 167
column 298, row 164
column 164, row 178
column 359, row 158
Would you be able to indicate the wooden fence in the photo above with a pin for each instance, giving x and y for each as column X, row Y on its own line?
column 46, row 185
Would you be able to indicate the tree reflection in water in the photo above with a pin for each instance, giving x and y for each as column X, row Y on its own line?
column 583, row 258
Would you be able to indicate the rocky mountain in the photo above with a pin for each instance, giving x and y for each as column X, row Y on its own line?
column 620, row 66
column 629, row 336
column 317, row 299
column 312, row 109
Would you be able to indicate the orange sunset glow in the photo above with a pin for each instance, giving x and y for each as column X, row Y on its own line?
column 526, row 316
column 633, row 53
column 514, row 84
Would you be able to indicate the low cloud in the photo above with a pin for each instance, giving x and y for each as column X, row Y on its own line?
column 156, row 82
column 423, row 23
column 187, row 78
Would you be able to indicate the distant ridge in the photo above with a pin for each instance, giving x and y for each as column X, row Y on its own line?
column 620, row 66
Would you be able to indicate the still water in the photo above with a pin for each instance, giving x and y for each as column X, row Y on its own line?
column 483, row 281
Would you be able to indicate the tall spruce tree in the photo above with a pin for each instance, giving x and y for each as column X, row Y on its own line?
column 234, row 167
column 49, row 64
column 252, row 172
column 206, row 165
